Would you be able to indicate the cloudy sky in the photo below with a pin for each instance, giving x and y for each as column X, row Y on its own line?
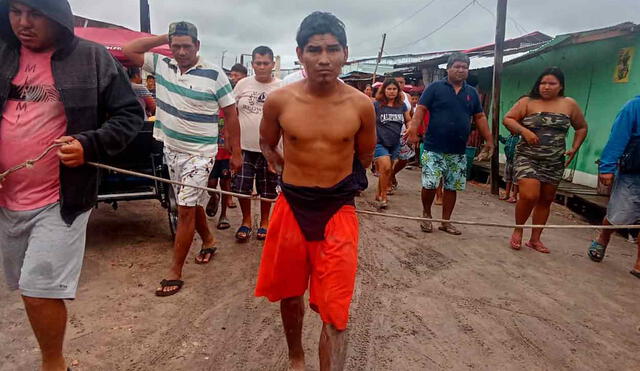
column 238, row 26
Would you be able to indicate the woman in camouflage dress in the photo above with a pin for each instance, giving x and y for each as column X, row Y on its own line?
column 542, row 119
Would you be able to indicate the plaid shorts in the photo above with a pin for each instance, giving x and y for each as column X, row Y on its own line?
column 255, row 169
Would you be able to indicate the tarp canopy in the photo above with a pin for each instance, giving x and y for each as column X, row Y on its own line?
column 115, row 38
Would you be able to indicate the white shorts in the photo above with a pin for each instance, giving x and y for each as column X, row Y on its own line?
column 189, row 169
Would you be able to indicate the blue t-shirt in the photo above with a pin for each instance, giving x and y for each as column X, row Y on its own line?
column 389, row 121
column 450, row 116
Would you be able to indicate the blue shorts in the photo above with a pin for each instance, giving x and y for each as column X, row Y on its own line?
column 624, row 203
column 451, row 168
column 382, row 150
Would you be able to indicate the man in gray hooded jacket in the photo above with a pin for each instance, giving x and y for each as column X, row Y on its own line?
column 54, row 88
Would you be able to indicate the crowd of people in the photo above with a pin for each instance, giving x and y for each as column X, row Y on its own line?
column 304, row 142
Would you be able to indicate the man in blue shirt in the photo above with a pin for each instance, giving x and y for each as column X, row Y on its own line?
column 452, row 105
column 624, row 204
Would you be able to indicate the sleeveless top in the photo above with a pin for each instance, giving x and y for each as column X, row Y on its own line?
column 552, row 130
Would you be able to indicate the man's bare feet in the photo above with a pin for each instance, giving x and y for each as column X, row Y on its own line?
column 438, row 201
column 296, row 365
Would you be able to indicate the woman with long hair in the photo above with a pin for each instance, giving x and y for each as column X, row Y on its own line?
column 368, row 91
column 542, row 119
column 391, row 115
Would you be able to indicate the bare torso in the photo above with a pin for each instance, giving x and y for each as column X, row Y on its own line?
column 320, row 133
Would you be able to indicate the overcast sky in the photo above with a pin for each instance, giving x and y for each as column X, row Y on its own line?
column 238, row 26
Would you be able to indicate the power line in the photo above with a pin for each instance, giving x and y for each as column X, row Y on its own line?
column 440, row 27
column 404, row 21
column 518, row 26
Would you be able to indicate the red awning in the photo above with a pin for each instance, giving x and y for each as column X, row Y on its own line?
column 115, row 38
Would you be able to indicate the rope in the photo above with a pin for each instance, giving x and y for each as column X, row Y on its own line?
column 30, row 163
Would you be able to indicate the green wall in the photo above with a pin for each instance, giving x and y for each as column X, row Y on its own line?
column 589, row 70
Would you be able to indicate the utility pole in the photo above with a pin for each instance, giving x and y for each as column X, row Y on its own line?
column 222, row 60
column 375, row 71
column 145, row 19
column 497, row 84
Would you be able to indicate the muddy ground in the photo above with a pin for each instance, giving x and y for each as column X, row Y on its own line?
column 422, row 302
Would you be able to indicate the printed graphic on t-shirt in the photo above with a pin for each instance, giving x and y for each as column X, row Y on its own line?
column 32, row 119
column 254, row 102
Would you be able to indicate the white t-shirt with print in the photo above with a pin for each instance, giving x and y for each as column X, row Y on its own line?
column 250, row 96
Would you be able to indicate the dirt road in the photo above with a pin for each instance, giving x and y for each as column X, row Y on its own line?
column 422, row 302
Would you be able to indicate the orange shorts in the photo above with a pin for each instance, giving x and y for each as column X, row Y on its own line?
column 289, row 260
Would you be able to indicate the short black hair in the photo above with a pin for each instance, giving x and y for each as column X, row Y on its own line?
column 458, row 57
column 151, row 77
column 239, row 68
column 133, row 71
column 262, row 50
column 320, row 23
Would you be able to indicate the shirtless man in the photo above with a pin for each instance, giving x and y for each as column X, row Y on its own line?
column 329, row 138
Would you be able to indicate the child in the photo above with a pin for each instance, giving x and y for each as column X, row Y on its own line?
column 511, row 191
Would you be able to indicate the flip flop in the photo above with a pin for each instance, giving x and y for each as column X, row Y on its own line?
column 596, row 251
column 261, row 234
column 203, row 253
column 223, row 224
column 243, row 230
column 168, row 283
column 212, row 207
column 516, row 244
column 635, row 273
column 538, row 246
column 450, row 229
column 232, row 205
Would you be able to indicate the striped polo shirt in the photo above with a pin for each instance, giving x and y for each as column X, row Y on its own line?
column 188, row 104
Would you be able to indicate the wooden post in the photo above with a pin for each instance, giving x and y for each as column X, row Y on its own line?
column 375, row 70
column 145, row 19
column 497, row 82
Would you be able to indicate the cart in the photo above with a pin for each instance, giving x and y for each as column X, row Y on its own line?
column 143, row 155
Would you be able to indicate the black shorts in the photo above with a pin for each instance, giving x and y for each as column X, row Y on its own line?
column 255, row 170
column 220, row 170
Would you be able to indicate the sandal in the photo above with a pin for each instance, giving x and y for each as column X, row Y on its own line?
column 261, row 234
column 426, row 226
column 538, row 246
column 635, row 273
column 223, row 224
column 243, row 234
column 516, row 243
column 596, row 251
column 212, row 206
column 383, row 205
column 232, row 205
column 203, row 255
column 450, row 229
column 168, row 283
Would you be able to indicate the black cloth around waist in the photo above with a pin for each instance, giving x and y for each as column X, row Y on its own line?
column 313, row 207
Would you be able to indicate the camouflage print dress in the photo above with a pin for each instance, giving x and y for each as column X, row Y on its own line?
column 545, row 161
